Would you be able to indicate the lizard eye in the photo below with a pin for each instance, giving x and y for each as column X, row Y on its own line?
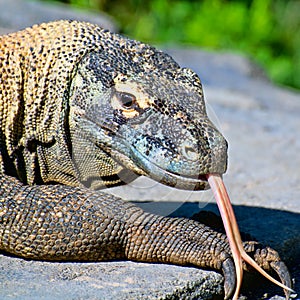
column 127, row 100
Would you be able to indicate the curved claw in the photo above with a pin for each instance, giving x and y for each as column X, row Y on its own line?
column 282, row 271
column 228, row 269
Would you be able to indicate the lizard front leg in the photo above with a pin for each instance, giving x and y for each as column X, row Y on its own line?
column 56, row 222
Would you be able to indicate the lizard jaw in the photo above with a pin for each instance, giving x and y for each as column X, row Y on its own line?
column 155, row 172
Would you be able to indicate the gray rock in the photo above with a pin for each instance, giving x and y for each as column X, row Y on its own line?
column 30, row 280
column 261, row 122
column 19, row 14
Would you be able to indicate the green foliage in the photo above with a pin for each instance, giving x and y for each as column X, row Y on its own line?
column 266, row 30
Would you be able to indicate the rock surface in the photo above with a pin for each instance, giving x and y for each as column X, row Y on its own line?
column 28, row 280
column 261, row 123
column 19, row 14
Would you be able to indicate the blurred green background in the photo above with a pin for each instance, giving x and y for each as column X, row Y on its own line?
column 267, row 31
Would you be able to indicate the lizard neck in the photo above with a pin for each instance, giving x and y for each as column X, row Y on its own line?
column 36, row 93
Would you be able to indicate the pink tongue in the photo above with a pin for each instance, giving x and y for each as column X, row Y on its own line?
column 232, row 231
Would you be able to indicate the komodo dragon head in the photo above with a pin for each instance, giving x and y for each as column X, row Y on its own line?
column 145, row 114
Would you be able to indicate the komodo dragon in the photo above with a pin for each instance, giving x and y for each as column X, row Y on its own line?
column 82, row 109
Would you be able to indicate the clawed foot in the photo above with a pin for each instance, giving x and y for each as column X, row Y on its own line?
column 266, row 258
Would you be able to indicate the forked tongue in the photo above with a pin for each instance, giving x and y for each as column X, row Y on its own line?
column 233, row 234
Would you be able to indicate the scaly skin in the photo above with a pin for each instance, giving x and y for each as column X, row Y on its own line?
column 82, row 109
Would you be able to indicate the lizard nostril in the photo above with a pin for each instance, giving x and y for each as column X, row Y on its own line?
column 190, row 153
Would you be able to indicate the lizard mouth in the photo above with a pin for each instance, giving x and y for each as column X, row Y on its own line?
column 143, row 166
column 187, row 182
column 179, row 181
